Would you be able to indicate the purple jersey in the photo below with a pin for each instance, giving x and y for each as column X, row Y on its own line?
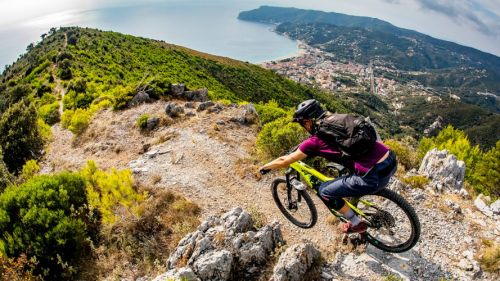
column 315, row 146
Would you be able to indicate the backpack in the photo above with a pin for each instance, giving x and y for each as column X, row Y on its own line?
column 354, row 135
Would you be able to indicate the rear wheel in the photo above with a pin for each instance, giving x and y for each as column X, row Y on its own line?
column 393, row 224
column 296, row 205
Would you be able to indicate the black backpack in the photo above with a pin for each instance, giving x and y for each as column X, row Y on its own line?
column 354, row 135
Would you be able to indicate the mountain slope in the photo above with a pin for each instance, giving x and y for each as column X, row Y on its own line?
column 441, row 64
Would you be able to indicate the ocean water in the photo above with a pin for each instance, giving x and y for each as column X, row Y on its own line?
column 207, row 26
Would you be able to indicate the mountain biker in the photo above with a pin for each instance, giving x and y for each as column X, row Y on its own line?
column 372, row 170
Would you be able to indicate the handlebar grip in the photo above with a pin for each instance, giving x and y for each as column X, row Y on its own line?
column 263, row 172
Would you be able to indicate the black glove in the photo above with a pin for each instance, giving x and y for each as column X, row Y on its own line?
column 264, row 171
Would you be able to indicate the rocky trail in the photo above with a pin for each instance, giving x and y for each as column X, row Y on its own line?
column 206, row 154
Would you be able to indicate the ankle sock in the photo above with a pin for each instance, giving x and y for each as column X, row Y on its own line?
column 350, row 215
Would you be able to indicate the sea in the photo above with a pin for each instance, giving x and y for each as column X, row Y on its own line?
column 209, row 26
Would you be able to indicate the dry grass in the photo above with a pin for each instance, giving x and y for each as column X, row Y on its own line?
column 136, row 246
column 259, row 219
column 332, row 220
column 156, row 178
column 490, row 258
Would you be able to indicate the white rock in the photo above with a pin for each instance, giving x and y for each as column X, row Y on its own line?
column 295, row 262
column 495, row 207
column 444, row 170
column 214, row 265
column 184, row 273
column 482, row 206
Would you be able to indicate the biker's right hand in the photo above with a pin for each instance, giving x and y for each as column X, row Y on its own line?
column 264, row 171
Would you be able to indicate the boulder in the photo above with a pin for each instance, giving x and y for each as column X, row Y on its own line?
column 189, row 104
column 481, row 205
column 226, row 247
column 152, row 122
column 184, row 273
column 141, row 97
column 434, row 128
column 443, row 169
column 177, row 90
column 247, row 116
column 295, row 262
column 196, row 95
column 495, row 207
column 204, row 105
column 173, row 110
column 215, row 109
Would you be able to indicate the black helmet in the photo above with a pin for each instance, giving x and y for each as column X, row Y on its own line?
column 309, row 109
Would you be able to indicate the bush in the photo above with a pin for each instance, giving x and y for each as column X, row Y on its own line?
column 45, row 218
column 416, row 181
column 486, row 176
column 76, row 120
column 5, row 177
column 278, row 137
column 18, row 269
column 20, row 137
column 406, row 155
column 142, row 121
column 270, row 111
column 45, row 130
column 457, row 143
column 122, row 96
column 50, row 113
column 30, row 169
column 111, row 191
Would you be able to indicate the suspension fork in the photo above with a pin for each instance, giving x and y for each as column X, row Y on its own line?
column 289, row 188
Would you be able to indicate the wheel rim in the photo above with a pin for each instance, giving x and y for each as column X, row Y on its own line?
column 296, row 208
column 389, row 224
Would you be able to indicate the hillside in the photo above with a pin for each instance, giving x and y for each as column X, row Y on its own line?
column 441, row 64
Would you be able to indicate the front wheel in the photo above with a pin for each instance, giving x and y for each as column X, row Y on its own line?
column 393, row 224
column 296, row 205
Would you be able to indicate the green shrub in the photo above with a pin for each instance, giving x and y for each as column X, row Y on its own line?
column 45, row 218
column 20, row 137
column 486, row 176
column 416, row 181
column 407, row 156
column 50, row 113
column 30, row 169
column 5, row 177
column 45, row 130
column 142, row 121
column 278, row 137
column 270, row 111
column 457, row 143
column 110, row 191
column 76, row 121
column 122, row 96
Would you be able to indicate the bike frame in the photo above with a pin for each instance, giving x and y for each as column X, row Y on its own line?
column 313, row 178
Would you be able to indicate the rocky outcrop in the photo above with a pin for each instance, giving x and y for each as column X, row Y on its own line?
column 483, row 204
column 247, row 116
column 295, row 262
column 224, row 248
column 204, row 105
column 173, row 110
column 443, row 169
column 434, row 128
column 181, row 92
column 141, row 97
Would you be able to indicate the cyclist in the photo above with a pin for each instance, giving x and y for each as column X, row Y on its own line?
column 372, row 170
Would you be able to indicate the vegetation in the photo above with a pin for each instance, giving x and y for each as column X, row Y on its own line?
column 46, row 218
column 270, row 111
column 277, row 137
column 490, row 258
column 142, row 121
column 405, row 154
column 110, row 191
column 416, row 181
column 486, row 176
column 20, row 137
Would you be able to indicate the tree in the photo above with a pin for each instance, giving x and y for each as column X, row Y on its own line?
column 19, row 135
column 487, row 172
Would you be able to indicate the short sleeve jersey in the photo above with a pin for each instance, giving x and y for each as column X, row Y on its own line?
column 315, row 146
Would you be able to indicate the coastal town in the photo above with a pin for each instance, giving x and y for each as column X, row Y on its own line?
column 318, row 68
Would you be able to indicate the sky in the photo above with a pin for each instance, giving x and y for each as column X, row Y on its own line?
column 474, row 23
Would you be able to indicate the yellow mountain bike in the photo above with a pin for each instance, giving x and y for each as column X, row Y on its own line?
column 393, row 225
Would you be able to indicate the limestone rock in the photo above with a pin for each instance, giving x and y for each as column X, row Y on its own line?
column 152, row 122
column 444, row 170
column 295, row 262
column 141, row 97
column 247, row 116
column 434, row 128
column 184, row 273
column 480, row 204
column 196, row 95
column 173, row 110
column 495, row 207
column 204, row 105
column 214, row 265
column 227, row 246
column 177, row 89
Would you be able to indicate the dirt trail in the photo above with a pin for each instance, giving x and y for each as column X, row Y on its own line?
column 207, row 158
